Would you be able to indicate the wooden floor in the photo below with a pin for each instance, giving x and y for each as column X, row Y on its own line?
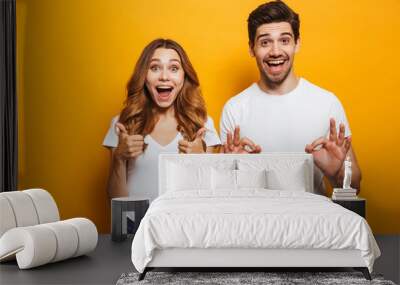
column 110, row 260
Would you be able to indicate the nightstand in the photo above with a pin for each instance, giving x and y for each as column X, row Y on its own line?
column 126, row 214
column 357, row 205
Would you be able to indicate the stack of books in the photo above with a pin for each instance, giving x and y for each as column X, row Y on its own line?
column 344, row 194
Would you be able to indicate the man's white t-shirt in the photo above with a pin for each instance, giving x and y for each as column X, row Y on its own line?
column 284, row 123
column 142, row 173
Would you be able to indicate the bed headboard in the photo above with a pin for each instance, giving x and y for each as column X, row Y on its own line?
column 236, row 161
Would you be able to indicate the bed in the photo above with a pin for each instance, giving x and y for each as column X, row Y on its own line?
column 242, row 211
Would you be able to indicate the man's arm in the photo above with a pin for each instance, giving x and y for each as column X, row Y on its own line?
column 227, row 123
column 337, row 180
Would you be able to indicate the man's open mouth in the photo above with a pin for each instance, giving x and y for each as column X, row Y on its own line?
column 275, row 62
column 275, row 66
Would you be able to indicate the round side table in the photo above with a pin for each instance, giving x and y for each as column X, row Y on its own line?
column 122, row 208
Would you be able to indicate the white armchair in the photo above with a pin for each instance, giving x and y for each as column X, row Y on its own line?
column 31, row 230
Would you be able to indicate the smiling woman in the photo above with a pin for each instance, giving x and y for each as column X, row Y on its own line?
column 164, row 113
column 164, row 91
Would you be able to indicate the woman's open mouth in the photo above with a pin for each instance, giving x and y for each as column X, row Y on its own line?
column 164, row 92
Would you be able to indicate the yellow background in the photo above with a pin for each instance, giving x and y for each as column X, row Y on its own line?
column 75, row 56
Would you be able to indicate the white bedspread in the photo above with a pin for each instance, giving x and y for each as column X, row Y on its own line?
column 251, row 218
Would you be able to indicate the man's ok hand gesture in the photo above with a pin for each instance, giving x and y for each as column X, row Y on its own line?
column 239, row 145
column 129, row 146
column 329, row 154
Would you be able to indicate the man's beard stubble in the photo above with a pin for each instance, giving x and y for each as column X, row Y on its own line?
column 271, row 82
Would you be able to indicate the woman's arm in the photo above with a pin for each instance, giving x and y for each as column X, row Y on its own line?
column 116, row 185
column 129, row 147
column 214, row 149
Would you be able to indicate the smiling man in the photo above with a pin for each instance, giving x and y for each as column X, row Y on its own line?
column 283, row 112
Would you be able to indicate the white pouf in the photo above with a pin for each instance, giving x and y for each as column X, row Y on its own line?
column 31, row 232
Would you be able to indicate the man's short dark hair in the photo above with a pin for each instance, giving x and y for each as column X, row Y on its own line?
column 272, row 12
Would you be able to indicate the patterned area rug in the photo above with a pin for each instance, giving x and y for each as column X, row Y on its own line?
column 244, row 278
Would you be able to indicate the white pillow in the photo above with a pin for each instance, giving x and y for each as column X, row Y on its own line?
column 223, row 179
column 287, row 178
column 281, row 174
column 251, row 178
column 236, row 179
column 181, row 177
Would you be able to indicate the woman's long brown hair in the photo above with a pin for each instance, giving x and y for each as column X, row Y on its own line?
column 140, row 113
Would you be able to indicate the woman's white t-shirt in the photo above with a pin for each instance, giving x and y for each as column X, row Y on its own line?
column 142, row 173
